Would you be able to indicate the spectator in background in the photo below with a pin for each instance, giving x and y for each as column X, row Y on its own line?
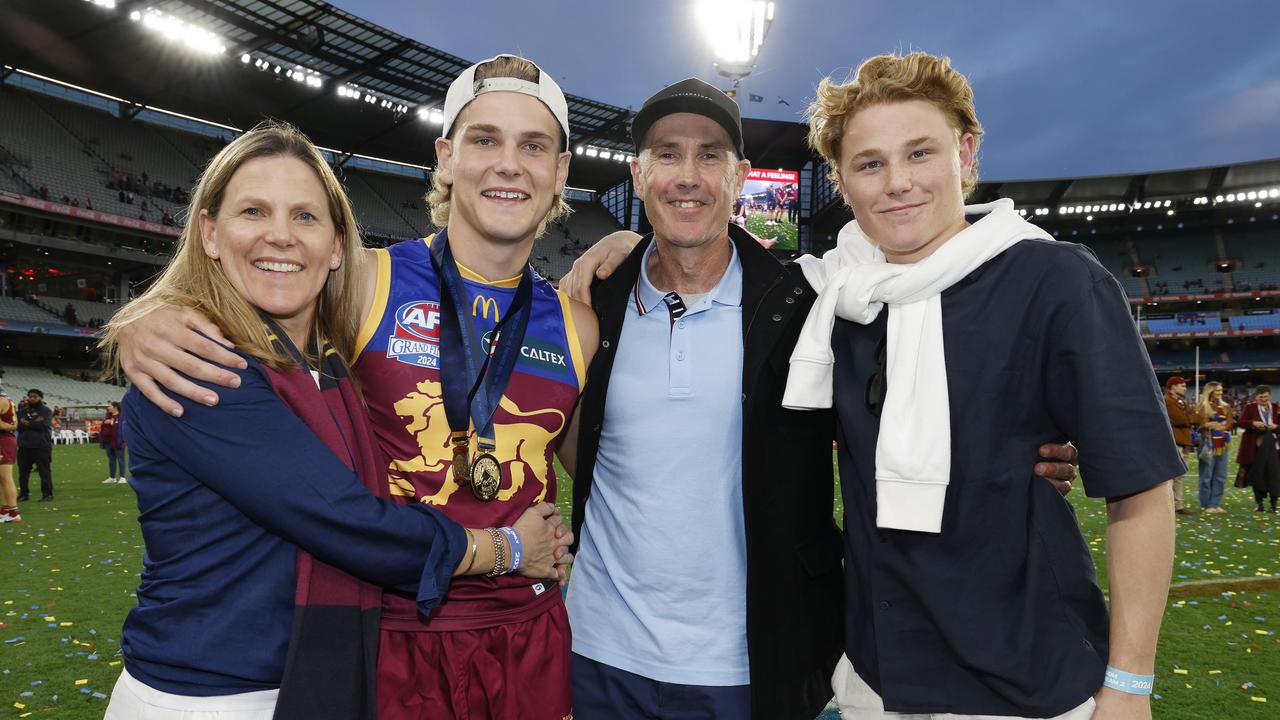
column 1216, row 422
column 8, row 455
column 69, row 314
column 35, row 445
column 1259, row 457
column 1180, row 417
column 111, row 439
column 739, row 215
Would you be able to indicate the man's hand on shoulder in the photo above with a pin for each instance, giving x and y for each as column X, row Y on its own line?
column 159, row 348
column 599, row 261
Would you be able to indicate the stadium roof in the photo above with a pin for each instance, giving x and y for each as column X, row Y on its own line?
column 105, row 50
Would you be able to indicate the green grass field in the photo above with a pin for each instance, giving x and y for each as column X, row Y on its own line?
column 70, row 569
column 785, row 232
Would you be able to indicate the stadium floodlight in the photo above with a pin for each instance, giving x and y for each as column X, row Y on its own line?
column 245, row 58
column 108, row 4
column 179, row 31
column 735, row 29
column 580, row 150
column 591, row 152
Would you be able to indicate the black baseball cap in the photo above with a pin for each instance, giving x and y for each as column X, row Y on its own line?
column 690, row 96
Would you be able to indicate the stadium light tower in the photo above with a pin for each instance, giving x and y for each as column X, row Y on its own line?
column 736, row 30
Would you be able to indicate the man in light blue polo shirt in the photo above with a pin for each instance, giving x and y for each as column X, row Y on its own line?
column 638, row 620
column 674, row 367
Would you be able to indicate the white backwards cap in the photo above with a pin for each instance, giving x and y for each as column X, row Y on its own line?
column 466, row 88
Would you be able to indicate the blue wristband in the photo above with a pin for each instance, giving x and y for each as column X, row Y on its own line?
column 517, row 548
column 1128, row 682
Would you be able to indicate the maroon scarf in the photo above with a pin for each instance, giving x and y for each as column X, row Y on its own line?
column 333, row 647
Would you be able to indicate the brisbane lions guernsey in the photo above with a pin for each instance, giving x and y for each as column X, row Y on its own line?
column 398, row 366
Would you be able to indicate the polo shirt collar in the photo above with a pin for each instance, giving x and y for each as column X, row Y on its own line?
column 727, row 291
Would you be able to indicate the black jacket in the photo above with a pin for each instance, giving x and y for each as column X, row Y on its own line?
column 794, row 602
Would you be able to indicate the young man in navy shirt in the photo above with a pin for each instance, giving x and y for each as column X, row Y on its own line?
column 963, row 339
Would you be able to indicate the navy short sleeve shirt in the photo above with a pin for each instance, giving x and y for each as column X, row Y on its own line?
column 1000, row 613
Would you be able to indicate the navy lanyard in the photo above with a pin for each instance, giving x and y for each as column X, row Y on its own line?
column 465, row 360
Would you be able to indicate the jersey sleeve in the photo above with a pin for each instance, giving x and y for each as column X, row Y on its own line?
column 257, row 455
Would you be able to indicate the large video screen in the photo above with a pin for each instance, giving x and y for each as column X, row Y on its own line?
column 769, row 206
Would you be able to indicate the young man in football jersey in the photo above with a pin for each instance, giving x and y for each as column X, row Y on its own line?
column 471, row 366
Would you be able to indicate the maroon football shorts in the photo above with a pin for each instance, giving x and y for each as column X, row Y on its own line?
column 506, row 672
column 8, row 450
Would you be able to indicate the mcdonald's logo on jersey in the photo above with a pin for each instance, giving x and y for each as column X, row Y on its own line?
column 481, row 305
column 416, row 339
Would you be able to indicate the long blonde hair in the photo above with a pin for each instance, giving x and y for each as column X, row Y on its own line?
column 1207, row 408
column 193, row 279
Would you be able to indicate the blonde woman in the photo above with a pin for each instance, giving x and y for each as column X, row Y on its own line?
column 1217, row 422
column 268, row 533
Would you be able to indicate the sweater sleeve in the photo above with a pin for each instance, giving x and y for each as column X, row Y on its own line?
column 257, row 455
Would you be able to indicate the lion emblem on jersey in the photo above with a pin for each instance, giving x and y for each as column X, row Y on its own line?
column 522, row 446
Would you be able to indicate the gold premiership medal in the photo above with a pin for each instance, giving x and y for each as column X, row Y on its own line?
column 486, row 477
column 461, row 464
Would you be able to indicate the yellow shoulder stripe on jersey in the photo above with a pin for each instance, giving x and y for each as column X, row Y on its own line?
column 473, row 276
column 381, row 291
column 571, row 337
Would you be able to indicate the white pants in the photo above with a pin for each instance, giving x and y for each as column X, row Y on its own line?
column 133, row 700
column 858, row 701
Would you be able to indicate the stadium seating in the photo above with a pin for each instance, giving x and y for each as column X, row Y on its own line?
column 21, row 311
column 1183, row 263
column 374, row 213
column 88, row 314
column 59, row 390
column 553, row 253
column 126, row 147
column 76, row 151
column 1114, row 256
column 393, row 193
column 1252, row 250
column 48, row 155
column 1212, row 322
column 1270, row 321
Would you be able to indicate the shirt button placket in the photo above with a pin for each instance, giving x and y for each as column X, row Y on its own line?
column 678, row 362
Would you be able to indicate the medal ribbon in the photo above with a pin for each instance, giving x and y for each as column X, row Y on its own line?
column 485, row 367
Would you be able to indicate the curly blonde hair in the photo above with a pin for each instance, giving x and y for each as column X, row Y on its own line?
column 441, row 193
column 893, row 78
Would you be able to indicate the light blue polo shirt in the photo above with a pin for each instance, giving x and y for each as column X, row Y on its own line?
column 659, row 585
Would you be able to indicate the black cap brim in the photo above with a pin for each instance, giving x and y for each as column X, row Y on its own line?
column 690, row 96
